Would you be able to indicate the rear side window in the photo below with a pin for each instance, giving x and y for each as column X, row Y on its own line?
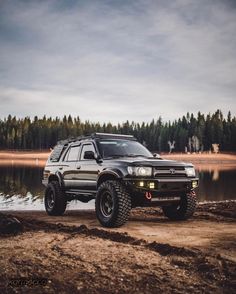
column 56, row 153
column 72, row 153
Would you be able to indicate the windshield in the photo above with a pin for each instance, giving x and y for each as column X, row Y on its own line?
column 122, row 148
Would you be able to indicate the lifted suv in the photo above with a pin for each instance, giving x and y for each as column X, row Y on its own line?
column 119, row 173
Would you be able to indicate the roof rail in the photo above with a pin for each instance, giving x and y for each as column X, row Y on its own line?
column 96, row 135
column 72, row 139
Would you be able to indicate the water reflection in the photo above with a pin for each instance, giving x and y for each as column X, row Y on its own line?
column 217, row 184
column 20, row 180
column 21, row 188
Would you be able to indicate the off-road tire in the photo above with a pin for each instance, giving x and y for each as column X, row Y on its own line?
column 121, row 204
column 183, row 210
column 57, row 207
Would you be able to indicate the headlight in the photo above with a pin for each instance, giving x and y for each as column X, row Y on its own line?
column 190, row 171
column 140, row 171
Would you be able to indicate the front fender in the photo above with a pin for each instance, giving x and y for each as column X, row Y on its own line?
column 109, row 174
column 114, row 171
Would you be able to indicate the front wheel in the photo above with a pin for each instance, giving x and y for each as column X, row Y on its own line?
column 54, row 200
column 113, row 204
column 184, row 209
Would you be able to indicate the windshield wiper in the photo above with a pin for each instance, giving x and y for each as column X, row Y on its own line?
column 115, row 156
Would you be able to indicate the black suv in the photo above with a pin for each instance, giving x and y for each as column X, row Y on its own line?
column 119, row 173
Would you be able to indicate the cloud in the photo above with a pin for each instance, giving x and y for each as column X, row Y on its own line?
column 117, row 60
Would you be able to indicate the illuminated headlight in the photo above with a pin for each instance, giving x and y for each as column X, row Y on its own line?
column 140, row 171
column 190, row 171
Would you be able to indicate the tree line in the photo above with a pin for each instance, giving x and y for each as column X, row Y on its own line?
column 189, row 133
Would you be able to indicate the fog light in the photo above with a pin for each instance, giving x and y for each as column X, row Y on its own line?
column 141, row 184
column 151, row 185
column 194, row 184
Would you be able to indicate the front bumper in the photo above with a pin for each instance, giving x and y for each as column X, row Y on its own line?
column 160, row 192
column 163, row 185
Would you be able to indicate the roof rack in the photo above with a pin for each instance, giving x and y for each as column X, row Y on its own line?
column 115, row 136
column 97, row 136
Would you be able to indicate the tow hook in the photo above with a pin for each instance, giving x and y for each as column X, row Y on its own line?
column 148, row 195
column 192, row 193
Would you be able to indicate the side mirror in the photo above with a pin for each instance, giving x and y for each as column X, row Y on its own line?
column 98, row 158
column 89, row 155
column 92, row 155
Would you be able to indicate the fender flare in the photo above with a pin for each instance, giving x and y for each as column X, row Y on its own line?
column 60, row 179
column 111, row 172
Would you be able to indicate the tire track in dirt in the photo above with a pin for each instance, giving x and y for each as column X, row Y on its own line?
column 161, row 248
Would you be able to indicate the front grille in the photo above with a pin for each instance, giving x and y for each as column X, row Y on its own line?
column 170, row 172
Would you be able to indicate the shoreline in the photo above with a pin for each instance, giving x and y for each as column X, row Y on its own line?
column 202, row 161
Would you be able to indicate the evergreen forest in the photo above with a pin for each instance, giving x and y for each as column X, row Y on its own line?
column 190, row 133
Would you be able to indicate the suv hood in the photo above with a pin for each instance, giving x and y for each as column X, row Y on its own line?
column 140, row 161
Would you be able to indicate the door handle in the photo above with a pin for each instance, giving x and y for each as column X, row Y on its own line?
column 78, row 167
column 60, row 168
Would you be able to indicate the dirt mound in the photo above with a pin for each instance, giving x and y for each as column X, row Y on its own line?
column 9, row 225
column 166, row 249
column 35, row 225
column 224, row 208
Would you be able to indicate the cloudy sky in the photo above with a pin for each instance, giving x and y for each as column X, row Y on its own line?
column 117, row 60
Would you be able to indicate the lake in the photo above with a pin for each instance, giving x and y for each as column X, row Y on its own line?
column 21, row 188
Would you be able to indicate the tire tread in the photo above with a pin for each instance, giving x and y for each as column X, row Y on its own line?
column 60, row 199
column 124, row 203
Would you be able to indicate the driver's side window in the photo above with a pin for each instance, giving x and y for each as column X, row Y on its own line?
column 86, row 147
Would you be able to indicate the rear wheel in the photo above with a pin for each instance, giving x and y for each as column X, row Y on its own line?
column 113, row 204
column 54, row 200
column 184, row 209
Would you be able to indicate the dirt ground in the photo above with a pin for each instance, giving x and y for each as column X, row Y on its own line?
column 150, row 254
